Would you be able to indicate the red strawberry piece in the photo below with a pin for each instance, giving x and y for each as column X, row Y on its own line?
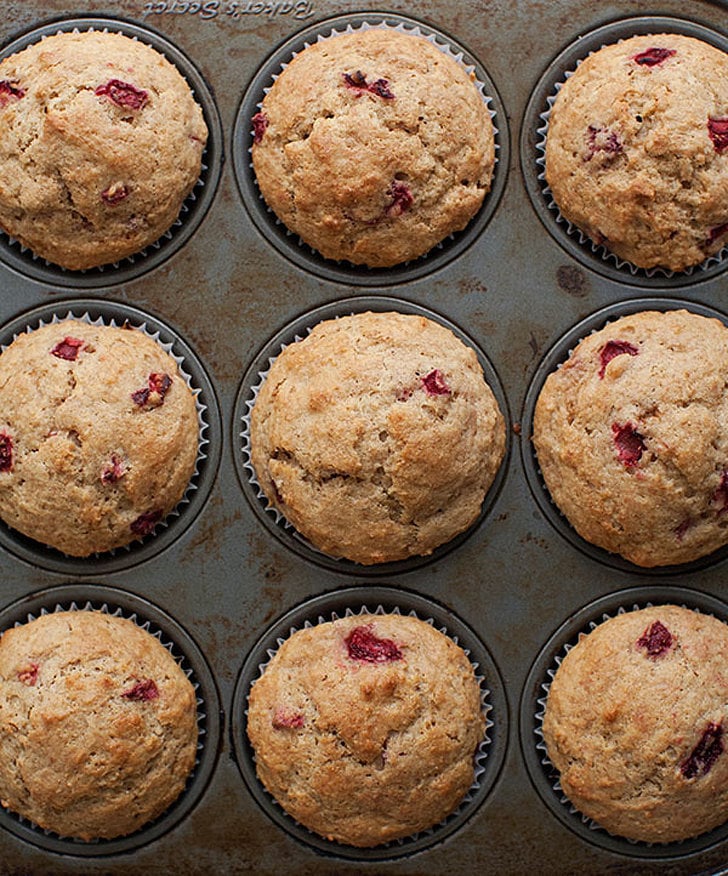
column 629, row 443
column 656, row 640
column 434, row 383
column 146, row 522
column 142, row 691
column 653, row 56
column 718, row 132
column 123, row 94
column 6, row 452
column 364, row 646
column 611, row 350
column 68, row 349
column 705, row 753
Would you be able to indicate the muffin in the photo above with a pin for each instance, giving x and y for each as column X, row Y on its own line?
column 631, row 434
column 637, row 150
column 635, row 721
column 99, row 435
column 376, row 436
column 365, row 728
column 373, row 147
column 98, row 724
column 100, row 143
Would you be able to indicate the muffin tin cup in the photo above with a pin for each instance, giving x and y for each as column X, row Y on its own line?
column 112, row 601
column 556, row 356
column 287, row 242
column 209, row 449
column 533, row 146
column 271, row 518
column 543, row 774
column 22, row 260
column 376, row 600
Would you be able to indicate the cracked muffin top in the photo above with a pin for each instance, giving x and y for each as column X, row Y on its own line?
column 637, row 150
column 98, row 724
column 631, row 434
column 99, row 435
column 100, row 143
column 376, row 436
column 365, row 729
column 373, row 147
column 635, row 723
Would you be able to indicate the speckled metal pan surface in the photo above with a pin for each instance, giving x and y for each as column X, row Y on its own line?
column 224, row 581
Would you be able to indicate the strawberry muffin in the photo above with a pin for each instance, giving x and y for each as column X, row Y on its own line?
column 635, row 723
column 631, row 434
column 373, row 146
column 98, row 724
column 637, row 150
column 101, row 141
column 99, row 436
column 377, row 436
column 365, row 729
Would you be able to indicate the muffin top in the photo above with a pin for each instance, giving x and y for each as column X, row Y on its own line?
column 376, row 436
column 100, row 143
column 637, row 150
column 631, row 434
column 365, row 728
column 373, row 147
column 98, row 724
column 635, row 722
column 99, row 435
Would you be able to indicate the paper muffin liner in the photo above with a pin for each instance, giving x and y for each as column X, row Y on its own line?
column 253, row 381
column 378, row 601
column 557, row 356
column 288, row 241
column 194, row 206
column 533, row 153
column 533, row 706
column 165, row 530
column 189, row 658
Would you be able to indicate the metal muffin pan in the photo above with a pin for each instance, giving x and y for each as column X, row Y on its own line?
column 226, row 283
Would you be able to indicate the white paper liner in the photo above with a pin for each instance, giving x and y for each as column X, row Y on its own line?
column 179, row 659
column 441, row 43
column 598, row 249
column 539, row 716
column 201, row 409
column 169, row 234
column 255, row 388
column 480, row 755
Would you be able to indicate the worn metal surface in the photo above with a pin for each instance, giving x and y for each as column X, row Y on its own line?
column 225, row 579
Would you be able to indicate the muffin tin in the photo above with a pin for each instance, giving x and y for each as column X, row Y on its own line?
column 224, row 580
